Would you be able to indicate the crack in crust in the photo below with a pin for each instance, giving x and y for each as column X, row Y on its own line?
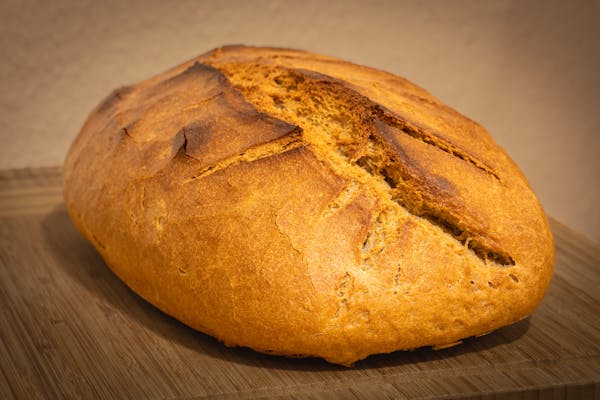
column 419, row 133
column 345, row 288
column 343, row 198
column 349, row 130
column 270, row 149
column 392, row 168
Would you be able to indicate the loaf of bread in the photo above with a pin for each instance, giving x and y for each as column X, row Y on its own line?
column 302, row 205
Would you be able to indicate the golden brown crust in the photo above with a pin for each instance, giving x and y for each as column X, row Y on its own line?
column 302, row 205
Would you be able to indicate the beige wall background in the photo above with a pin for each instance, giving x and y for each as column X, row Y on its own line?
column 529, row 71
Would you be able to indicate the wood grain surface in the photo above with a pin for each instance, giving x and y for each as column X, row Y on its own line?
column 69, row 328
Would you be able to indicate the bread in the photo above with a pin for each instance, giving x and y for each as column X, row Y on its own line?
column 302, row 205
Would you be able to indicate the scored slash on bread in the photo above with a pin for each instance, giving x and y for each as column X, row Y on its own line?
column 302, row 205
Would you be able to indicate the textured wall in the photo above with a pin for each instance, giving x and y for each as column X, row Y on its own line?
column 527, row 70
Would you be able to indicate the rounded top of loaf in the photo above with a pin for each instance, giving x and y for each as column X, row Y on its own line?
column 302, row 205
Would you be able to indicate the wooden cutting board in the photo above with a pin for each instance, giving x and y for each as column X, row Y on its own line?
column 70, row 328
